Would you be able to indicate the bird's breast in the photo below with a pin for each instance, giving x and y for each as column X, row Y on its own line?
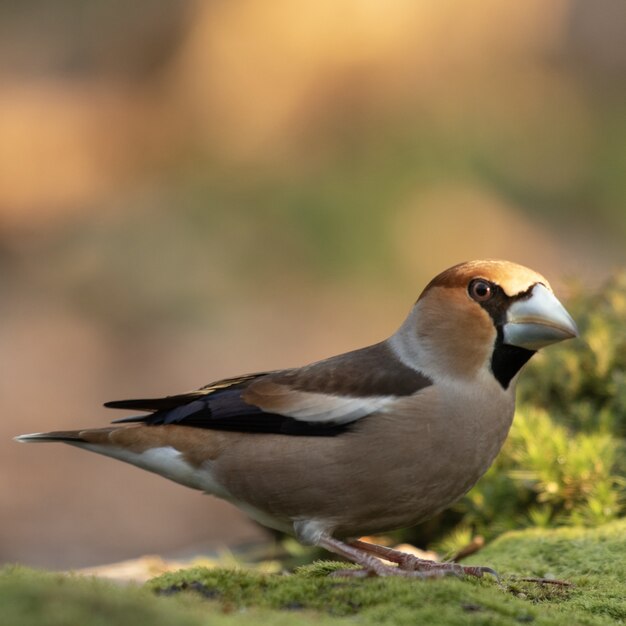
column 392, row 469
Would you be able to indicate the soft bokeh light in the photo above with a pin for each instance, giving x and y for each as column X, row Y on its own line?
column 194, row 190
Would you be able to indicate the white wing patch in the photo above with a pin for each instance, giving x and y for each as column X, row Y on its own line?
column 318, row 407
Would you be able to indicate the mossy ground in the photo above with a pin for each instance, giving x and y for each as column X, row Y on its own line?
column 593, row 560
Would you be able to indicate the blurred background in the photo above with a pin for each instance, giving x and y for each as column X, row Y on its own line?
column 193, row 190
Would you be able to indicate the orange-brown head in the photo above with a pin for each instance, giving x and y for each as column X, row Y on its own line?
column 483, row 314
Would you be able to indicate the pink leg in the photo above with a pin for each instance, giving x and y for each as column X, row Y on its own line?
column 372, row 566
column 411, row 562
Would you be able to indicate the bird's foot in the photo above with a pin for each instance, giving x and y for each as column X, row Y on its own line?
column 369, row 555
column 411, row 562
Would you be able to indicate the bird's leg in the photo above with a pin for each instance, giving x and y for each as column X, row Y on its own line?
column 404, row 560
column 371, row 565
column 407, row 561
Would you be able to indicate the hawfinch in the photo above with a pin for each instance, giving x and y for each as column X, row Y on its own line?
column 365, row 442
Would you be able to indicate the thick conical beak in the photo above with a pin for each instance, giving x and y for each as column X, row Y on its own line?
column 538, row 321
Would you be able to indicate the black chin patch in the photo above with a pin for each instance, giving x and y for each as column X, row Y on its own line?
column 507, row 360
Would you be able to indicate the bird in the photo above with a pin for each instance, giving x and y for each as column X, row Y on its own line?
column 369, row 441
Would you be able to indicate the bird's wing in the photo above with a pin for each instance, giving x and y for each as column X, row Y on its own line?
column 166, row 403
column 322, row 398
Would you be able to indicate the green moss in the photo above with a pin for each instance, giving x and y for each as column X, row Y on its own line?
column 594, row 560
column 33, row 598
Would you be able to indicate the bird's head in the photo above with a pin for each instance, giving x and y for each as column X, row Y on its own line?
column 481, row 315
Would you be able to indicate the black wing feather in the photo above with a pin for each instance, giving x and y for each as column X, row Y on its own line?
column 171, row 402
column 221, row 407
column 152, row 404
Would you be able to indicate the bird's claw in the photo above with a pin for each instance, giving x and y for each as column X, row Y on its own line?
column 414, row 563
column 479, row 571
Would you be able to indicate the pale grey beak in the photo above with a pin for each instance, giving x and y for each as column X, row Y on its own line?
column 538, row 321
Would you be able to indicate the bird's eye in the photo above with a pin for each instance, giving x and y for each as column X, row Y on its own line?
column 480, row 290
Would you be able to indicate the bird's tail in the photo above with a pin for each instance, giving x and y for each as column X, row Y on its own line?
column 59, row 435
column 158, row 449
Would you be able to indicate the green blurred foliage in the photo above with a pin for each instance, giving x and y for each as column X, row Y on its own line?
column 583, row 383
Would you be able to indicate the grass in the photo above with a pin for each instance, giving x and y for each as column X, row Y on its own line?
column 594, row 560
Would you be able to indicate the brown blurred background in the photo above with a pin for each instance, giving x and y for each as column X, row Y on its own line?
column 192, row 190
